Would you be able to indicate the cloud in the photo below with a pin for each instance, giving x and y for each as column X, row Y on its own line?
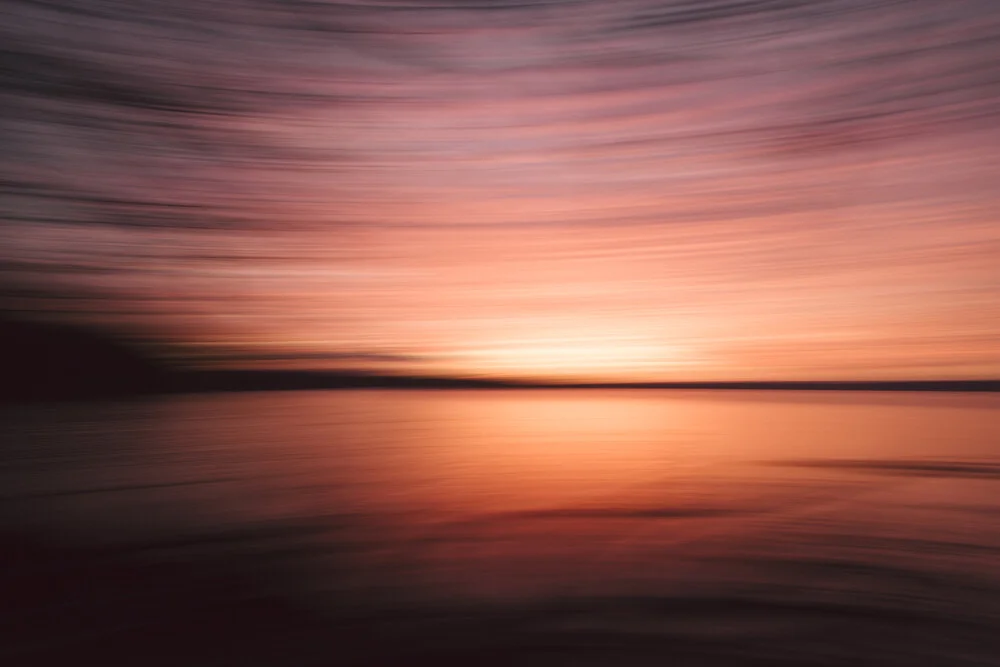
column 236, row 168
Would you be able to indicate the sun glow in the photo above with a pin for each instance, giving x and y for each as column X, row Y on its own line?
column 579, row 359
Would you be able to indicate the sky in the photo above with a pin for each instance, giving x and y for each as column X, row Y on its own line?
column 567, row 189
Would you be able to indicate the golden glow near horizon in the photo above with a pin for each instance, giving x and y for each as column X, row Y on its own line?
column 635, row 190
column 570, row 359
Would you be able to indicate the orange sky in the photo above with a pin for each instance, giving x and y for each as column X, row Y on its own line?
column 633, row 190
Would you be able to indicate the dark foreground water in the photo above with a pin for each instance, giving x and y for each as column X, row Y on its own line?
column 503, row 528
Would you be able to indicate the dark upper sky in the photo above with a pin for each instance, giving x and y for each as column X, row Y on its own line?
column 627, row 189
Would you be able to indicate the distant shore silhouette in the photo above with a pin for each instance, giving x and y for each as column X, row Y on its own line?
column 275, row 380
column 46, row 361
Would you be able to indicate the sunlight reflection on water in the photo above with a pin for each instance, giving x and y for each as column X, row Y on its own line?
column 654, row 520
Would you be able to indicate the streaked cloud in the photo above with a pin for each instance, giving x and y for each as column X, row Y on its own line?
column 696, row 189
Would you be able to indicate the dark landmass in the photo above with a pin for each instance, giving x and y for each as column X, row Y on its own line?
column 810, row 385
column 277, row 380
column 46, row 362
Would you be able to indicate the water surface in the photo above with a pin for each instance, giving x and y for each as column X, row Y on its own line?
column 500, row 527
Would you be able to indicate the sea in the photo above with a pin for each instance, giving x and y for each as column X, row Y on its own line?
column 503, row 527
